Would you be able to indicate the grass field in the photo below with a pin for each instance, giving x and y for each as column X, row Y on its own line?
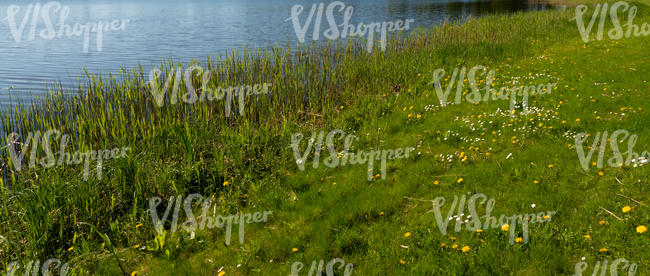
column 383, row 226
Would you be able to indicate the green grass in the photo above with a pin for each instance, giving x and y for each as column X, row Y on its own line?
column 183, row 149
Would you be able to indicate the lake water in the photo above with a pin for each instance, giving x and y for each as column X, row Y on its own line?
column 147, row 32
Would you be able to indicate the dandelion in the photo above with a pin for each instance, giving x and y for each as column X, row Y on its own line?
column 138, row 226
column 407, row 234
column 626, row 209
column 381, row 213
column 71, row 248
column 578, row 120
column 641, row 229
column 225, row 183
column 294, row 249
column 465, row 249
column 547, row 217
column 602, row 222
column 519, row 240
column 459, row 180
column 587, row 237
column 535, row 181
column 135, row 272
column 505, row 227
column 442, row 244
column 551, row 165
column 479, row 231
column 454, row 246
column 402, row 262
column 601, row 173
column 222, row 273
column 436, row 182
column 603, row 250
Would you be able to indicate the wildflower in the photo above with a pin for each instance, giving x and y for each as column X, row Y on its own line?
column 459, row 180
column 334, row 183
column 505, row 227
column 135, row 272
column 587, row 237
column 410, row 115
column 419, row 116
column 626, row 209
column 71, row 248
column 294, row 250
column 442, row 244
column 601, row 173
column 342, row 107
column 225, row 183
column 138, row 226
column 603, row 250
column 535, row 181
column 550, row 165
column 465, row 249
column 602, row 222
column 578, row 120
column 641, row 229
column 222, row 273
column 547, row 217
column 519, row 240
column 407, row 234
column 479, row 231
column 454, row 246
column 402, row 262
column 381, row 213
column 436, row 182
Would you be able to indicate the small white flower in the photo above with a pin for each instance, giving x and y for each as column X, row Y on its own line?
column 583, row 258
column 533, row 205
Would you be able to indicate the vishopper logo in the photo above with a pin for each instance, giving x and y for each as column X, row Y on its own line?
column 600, row 144
column 473, row 221
column 348, row 30
column 192, row 95
column 462, row 75
column 344, row 157
column 204, row 220
column 49, row 10
column 600, row 13
column 582, row 266
column 314, row 270
column 33, row 267
column 49, row 160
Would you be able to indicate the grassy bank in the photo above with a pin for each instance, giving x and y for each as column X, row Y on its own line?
column 244, row 163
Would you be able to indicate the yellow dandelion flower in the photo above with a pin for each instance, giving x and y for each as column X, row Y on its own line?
column 626, row 209
column 454, row 246
column 442, row 244
column 519, row 240
column 459, row 180
column 402, row 262
column 436, row 182
column 222, row 273
column 587, row 237
column 381, row 213
column 505, row 227
column 479, row 231
column 551, row 165
column 602, row 222
column 407, row 234
column 135, row 272
column 641, row 229
column 465, row 249
column 294, row 249
column 603, row 250
column 138, row 226
column 410, row 115
column 601, row 173
column 71, row 248
column 578, row 120
column 535, row 181
column 225, row 183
